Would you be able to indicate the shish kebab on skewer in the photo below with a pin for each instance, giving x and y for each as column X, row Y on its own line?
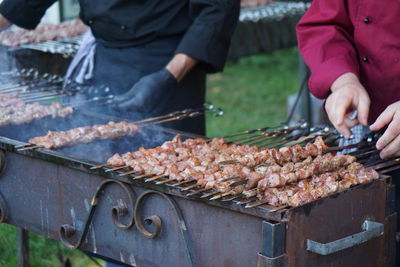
column 85, row 134
column 111, row 130
column 253, row 171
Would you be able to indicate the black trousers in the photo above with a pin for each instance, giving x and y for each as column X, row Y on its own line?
column 118, row 69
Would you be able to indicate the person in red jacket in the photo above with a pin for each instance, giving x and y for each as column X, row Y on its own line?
column 353, row 51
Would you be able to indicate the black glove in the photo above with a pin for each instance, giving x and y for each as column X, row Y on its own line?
column 147, row 93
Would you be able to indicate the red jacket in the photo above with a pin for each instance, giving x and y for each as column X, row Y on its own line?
column 359, row 36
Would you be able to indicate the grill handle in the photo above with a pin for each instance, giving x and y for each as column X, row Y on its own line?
column 370, row 230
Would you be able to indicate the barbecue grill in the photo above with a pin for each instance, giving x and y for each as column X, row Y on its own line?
column 66, row 195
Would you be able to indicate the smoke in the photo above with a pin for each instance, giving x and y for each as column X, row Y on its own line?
column 87, row 111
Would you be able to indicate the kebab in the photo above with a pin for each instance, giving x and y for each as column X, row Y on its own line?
column 87, row 134
column 181, row 162
column 30, row 112
column 319, row 186
column 197, row 160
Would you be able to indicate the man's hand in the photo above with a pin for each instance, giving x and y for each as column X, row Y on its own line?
column 347, row 95
column 4, row 23
column 389, row 142
column 147, row 93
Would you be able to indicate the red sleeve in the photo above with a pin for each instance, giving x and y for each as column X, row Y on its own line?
column 326, row 44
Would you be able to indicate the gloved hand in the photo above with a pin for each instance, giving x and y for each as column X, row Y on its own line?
column 147, row 93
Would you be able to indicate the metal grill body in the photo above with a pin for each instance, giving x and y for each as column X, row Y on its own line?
column 45, row 191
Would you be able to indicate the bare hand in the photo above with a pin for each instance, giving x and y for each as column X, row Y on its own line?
column 4, row 23
column 347, row 95
column 390, row 140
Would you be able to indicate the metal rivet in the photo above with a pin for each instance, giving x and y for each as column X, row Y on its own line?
column 366, row 20
column 123, row 27
column 365, row 59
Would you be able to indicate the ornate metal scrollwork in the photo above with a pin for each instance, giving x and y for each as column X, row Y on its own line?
column 117, row 212
column 3, row 209
column 67, row 231
column 157, row 221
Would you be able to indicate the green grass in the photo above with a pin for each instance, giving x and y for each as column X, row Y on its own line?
column 43, row 251
column 252, row 92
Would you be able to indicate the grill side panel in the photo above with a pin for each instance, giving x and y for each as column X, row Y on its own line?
column 41, row 196
column 336, row 217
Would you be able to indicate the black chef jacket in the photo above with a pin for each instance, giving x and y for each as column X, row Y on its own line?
column 205, row 26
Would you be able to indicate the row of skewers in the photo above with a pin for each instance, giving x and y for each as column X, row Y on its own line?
column 110, row 130
column 13, row 110
column 42, row 33
column 291, row 175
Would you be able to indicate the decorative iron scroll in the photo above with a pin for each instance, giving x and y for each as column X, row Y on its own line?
column 3, row 209
column 157, row 221
column 67, row 230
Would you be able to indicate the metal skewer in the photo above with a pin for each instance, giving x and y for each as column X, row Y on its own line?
column 155, row 178
column 117, row 168
column 134, row 172
column 202, row 190
column 209, row 194
column 256, row 204
column 184, row 182
column 29, row 148
column 222, row 195
column 101, row 166
column 165, row 181
column 189, row 187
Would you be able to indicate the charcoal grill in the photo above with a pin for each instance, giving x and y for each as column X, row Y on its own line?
column 63, row 196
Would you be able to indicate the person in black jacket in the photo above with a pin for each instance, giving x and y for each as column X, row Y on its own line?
column 153, row 55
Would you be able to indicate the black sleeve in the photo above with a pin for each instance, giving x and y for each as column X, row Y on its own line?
column 209, row 36
column 25, row 13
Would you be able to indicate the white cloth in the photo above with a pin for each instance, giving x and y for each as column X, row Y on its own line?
column 81, row 68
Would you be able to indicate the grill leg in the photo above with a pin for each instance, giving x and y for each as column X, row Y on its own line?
column 23, row 247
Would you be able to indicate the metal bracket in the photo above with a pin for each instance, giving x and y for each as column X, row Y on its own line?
column 370, row 230
column 263, row 261
column 274, row 239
